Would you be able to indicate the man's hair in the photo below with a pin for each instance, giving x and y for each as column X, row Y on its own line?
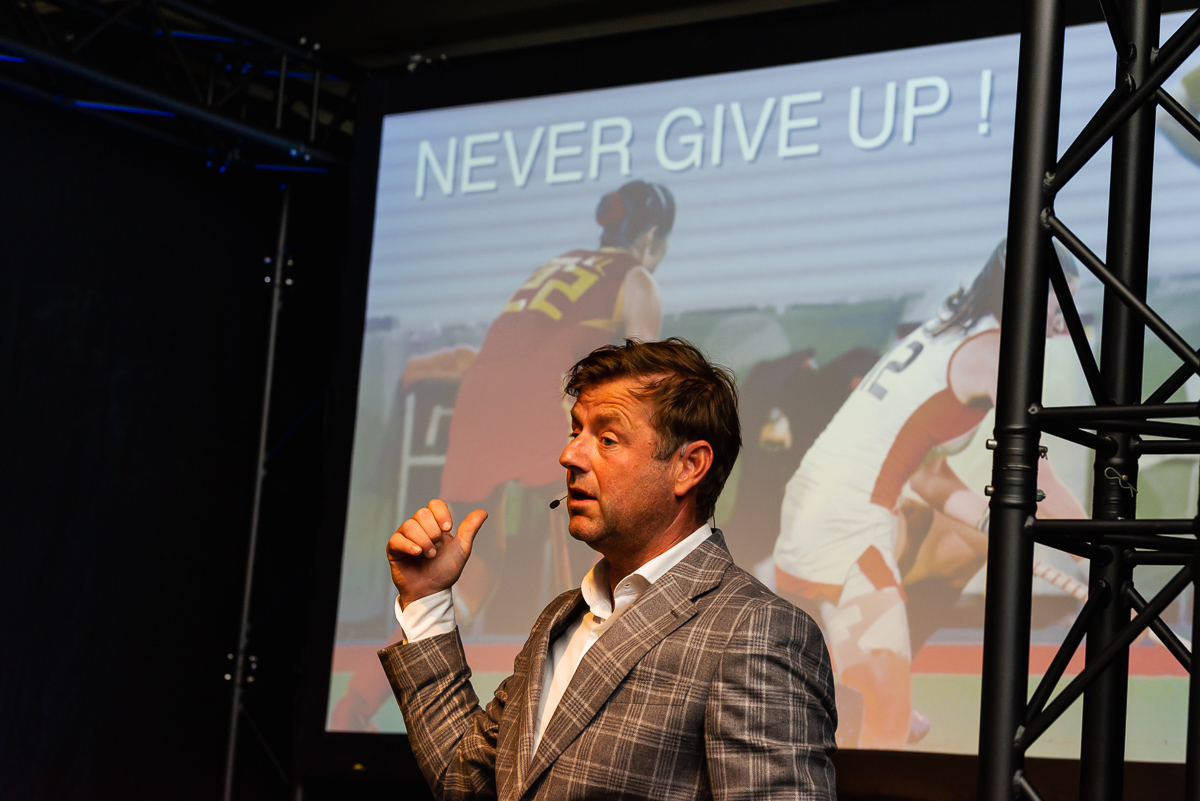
column 690, row 398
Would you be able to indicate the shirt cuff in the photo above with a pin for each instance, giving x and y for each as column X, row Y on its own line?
column 426, row 617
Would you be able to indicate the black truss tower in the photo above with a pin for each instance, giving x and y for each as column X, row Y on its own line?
column 1119, row 427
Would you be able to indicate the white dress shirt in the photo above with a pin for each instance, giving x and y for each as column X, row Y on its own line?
column 434, row 615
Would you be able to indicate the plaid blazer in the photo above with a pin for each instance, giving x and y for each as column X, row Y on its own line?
column 709, row 686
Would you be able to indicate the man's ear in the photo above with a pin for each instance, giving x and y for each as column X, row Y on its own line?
column 695, row 460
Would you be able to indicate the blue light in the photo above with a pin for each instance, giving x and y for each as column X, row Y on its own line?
column 13, row 59
column 306, row 75
column 289, row 168
column 189, row 35
column 151, row 112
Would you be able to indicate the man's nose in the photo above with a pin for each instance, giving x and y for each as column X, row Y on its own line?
column 572, row 455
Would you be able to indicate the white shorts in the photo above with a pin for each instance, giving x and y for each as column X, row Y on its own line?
column 822, row 535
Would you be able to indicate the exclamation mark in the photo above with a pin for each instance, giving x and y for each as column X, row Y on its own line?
column 985, row 102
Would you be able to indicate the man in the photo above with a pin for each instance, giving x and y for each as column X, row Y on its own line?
column 671, row 673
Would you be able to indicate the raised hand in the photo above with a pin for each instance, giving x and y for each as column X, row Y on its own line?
column 425, row 557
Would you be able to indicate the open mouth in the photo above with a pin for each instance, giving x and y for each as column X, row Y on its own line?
column 580, row 495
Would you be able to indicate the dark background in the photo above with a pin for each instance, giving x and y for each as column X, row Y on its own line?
column 133, row 336
column 135, row 316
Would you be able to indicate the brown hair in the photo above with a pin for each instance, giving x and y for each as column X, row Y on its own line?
column 632, row 210
column 966, row 307
column 691, row 399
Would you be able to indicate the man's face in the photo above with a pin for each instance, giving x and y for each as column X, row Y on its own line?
column 619, row 495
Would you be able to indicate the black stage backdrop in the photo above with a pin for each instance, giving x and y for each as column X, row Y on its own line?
column 132, row 347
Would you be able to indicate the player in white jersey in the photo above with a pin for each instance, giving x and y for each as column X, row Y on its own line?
column 840, row 534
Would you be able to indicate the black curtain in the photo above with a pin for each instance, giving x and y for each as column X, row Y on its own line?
column 132, row 350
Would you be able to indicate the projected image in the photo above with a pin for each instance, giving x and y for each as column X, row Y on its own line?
column 833, row 232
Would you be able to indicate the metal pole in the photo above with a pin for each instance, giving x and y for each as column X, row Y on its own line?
column 1022, row 359
column 314, row 113
column 1102, row 748
column 239, row 668
column 1191, row 781
column 283, row 61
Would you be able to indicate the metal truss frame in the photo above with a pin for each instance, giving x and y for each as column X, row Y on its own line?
column 1119, row 427
column 183, row 75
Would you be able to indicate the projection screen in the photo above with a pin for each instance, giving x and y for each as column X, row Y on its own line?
column 823, row 213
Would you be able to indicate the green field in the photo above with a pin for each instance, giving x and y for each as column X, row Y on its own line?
column 1155, row 733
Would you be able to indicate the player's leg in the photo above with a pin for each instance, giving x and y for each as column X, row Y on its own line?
column 867, row 631
column 366, row 692
column 942, row 556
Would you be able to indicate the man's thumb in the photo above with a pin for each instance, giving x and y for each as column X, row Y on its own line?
column 468, row 528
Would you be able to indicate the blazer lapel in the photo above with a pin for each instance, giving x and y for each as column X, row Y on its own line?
column 531, row 692
column 664, row 607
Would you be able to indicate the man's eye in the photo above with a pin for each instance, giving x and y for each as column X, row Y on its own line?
column 608, row 441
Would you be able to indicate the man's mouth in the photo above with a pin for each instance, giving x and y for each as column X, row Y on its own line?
column 579, row 495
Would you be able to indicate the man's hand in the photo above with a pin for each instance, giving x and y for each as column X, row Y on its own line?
column 424, row 556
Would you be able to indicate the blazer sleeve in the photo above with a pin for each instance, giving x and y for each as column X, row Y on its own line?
column 453, row 740
column 771, row 718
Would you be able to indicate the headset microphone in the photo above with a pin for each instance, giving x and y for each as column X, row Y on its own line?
column 554, row 503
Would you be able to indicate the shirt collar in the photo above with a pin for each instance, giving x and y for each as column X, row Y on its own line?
column 595, row 583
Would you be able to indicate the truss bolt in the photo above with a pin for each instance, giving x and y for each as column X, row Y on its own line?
column 303, row 40
column 1041, row 496
column 249, row 679
column 308, row 157
column 291, row 262
column 228, row 677
column 266, row 259
column 293, row 151
column 991, row 444
column 288, row 282
column 266, row 279
column 988, row 490
column 1033, row 408
column 316, row 45
column 229, row 656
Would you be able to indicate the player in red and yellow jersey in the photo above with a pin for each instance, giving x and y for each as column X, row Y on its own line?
column 508, row 428
column 509, row 423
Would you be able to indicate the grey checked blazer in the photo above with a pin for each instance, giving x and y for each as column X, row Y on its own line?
column 709, row 686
